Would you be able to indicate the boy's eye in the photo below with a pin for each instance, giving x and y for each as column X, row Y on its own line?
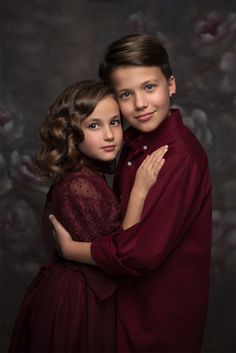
column 150, row 86
column 124, row 95
column 93, row 126
column 115, row 122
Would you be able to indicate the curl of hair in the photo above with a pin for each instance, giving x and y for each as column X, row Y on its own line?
column 60, row 132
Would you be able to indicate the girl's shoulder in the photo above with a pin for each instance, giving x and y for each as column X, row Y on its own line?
column 83, row 183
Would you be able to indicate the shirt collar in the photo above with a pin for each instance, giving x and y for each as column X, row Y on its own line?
column 137, row 140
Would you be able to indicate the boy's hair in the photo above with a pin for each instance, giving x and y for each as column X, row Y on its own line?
column 138, row 49
column 61, row 133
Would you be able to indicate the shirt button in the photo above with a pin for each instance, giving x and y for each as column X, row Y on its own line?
column 129, row 163
column 145, row 147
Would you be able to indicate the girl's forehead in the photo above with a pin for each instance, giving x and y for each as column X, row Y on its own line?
column 107, row 108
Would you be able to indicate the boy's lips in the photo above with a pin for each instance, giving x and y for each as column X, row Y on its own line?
column 145, row 116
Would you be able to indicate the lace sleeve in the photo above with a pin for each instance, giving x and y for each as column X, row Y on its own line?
column 90, row 211
column 82, row 188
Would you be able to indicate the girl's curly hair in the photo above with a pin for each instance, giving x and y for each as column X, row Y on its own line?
column 60, row 132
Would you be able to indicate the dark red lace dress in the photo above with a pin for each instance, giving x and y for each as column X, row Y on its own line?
column 71, row 307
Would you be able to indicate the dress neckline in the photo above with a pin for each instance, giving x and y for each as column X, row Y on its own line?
column 101, row 167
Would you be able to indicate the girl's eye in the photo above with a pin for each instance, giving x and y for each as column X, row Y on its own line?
column 150, row 87
column 93, row 126
column 115, row 122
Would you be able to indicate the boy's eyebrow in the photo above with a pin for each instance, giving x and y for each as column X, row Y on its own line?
column 150, row 80
column 142, row 84
column 122, row 90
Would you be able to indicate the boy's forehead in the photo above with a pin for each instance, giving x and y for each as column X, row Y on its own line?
column 126, row 76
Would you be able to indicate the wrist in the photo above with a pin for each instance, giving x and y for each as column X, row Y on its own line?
column 68, row 250
column 139, row 192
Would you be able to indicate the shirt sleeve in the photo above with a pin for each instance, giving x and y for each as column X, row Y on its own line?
column 170, row 207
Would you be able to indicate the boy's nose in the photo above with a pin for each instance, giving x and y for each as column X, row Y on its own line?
column 140, row 101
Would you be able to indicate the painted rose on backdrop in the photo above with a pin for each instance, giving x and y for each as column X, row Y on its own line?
column 16, row 165
column 19, row 230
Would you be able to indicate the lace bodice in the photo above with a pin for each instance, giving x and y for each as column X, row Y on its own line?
column 84, row 204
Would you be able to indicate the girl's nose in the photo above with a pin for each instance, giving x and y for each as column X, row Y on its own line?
column 108, row 134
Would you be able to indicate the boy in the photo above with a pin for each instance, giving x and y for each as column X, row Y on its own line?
column 165, row 258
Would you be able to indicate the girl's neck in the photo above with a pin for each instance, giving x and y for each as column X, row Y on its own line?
column 102, row 167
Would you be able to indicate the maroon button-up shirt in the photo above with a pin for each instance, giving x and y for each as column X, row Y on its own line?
column 162, row 299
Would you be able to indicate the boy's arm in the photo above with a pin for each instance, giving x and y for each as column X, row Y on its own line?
column 68, row 248
column 169, row 210
column 171, row 207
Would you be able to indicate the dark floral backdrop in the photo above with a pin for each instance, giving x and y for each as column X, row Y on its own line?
column 46, row 45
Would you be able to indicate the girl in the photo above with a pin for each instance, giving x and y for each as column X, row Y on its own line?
column 71, row 307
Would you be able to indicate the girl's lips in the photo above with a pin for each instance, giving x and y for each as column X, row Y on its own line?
column 109, row 148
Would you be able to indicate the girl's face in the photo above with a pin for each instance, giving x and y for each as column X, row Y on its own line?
column 143, row 94
column 102, row 131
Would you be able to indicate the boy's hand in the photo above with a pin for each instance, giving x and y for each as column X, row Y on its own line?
column 61, row 236
column 68, row 248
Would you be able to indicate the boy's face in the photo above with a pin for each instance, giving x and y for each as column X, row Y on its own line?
column 143, row 94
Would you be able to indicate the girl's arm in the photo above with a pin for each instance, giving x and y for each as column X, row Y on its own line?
column 145, row 177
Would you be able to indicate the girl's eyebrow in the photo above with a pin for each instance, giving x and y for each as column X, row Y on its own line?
column 96, row 120
column 115, row 117
column 88, row 121
column 93, row 119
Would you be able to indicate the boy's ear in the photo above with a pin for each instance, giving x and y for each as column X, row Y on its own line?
column 172, row 86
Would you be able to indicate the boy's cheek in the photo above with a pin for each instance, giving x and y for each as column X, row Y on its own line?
column 126, row 109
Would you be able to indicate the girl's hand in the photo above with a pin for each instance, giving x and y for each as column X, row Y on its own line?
column 145, row 177
column 148, row 171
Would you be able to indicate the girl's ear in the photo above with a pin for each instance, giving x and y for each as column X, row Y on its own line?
column 172, row 86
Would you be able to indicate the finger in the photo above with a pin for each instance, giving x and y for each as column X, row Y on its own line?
column 159, row 150
column 53, row 220
column 159, row 166
column 54, row 234
column 56, row 224
column 156, row 158
column 158, row 154
column 144, row 161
